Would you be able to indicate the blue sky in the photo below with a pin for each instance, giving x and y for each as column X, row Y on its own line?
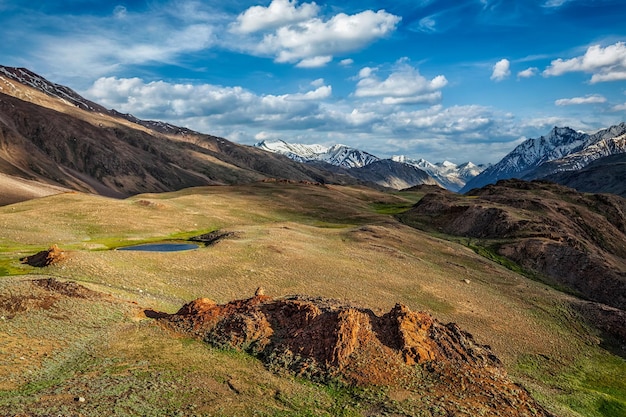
column 433, row 79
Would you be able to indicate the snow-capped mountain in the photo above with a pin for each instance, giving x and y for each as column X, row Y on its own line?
column 526, row 157
column 338, row 155
column 448, row 174
column 579, row 160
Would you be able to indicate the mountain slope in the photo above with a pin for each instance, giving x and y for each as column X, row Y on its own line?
column 604, row 175
column 575, row 240
column 532, row 153
column 578, row 160
column 50, row 134
column 388, row 173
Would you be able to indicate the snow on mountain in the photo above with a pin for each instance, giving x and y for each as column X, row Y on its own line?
column 558, row 144
column 447, row 174
column 29, row 78
column 338, row 155
column 579, row 160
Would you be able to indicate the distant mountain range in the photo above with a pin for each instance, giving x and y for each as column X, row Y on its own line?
column 446, row 174
column 562, row 150
column 51, row 137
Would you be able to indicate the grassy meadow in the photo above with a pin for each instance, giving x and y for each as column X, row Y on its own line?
column 337, row 242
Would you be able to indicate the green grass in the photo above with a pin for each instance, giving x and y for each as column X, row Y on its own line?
column 391, row 208
column 593, row 385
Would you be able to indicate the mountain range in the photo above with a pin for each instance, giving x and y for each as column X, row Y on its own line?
column 50, row 136
column 562, row 150
column 446, row 174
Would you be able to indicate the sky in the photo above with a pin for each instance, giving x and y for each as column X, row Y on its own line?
column 433, row 79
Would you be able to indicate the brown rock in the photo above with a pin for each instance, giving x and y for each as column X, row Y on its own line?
column 46, row 257
column 323, row 339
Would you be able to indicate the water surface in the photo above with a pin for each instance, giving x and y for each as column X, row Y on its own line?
column 161, row 247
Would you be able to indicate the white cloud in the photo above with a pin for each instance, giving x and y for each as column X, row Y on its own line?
column 278, row 13
column 93, row 46
column 619, row 107
column 501, row 70
column 314, row 62
column 605, row 64
column 428, row 24
column 319, row 93
column 590, row 99
column 528, row 73
column 346, row 62
column 189, row 104
column 405, row 85
column 308, row 41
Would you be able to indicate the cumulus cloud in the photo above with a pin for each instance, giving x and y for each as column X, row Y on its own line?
column 173, row 100
column 314, row 41
column 278, row 13
column 405, row 85
column 310, row 116
column 346, row 62
column 501, row 70
column 528, row 72
column 605, row 64
column 590, row 99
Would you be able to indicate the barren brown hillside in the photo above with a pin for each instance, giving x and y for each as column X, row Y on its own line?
column 575, row 240
column 84, row 147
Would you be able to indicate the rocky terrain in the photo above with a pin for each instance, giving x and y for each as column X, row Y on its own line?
column 325, row 339
column 575, row 240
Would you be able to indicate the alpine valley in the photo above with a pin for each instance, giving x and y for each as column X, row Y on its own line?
column 321, row 281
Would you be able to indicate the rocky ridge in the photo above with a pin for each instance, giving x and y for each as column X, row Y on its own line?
column 326, row 340
column 575, row 240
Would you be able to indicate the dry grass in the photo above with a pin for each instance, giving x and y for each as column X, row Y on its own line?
column 291, row 239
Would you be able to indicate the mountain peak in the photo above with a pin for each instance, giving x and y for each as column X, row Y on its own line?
column 560, row 142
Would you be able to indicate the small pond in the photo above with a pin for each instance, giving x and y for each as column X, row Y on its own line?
column 161, row 247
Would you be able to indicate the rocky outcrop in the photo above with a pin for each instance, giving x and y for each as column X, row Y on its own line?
column 325, row 340
column 47, row 257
